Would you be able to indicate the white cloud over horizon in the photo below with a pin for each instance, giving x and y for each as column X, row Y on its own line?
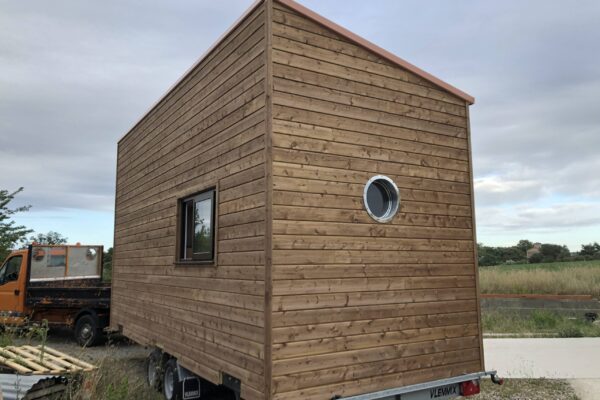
column 75, row 75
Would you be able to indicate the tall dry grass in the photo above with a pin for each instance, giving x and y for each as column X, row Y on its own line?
column 569, row 280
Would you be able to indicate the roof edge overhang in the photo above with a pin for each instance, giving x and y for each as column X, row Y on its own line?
column 328, row 24
column 376, row 49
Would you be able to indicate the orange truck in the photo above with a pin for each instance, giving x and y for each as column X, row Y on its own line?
column 61, row 284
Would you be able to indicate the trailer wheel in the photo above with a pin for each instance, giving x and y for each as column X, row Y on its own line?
column 154, row 370
column 171, row 381
column 87, row 331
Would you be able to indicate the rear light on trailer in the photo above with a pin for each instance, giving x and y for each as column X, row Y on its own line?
column 469, row 388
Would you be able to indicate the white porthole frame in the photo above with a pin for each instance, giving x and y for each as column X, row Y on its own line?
column 393, row 192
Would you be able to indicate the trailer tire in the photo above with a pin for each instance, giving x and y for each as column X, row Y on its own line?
column 87, row 330
column 171, row 386
column 155, row 369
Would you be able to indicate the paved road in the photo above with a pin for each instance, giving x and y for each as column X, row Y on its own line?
column 575, row 359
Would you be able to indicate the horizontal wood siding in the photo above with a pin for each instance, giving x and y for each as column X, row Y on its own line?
column 360, row 306
column 208, row 131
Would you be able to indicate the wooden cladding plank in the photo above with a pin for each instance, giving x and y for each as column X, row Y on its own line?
column 382, row 381
column 342, row 95
column 197, row 326
column 289, row 213
column 348, row 285
column 304, row 317
column 323, row 66
column 164, row 204
column 191, row 307
column 306, row 158
column 348, row 328
column 362, row 256
column 285, row 40
column 244, row 272
column 239, row 300
column 294, row 170
column 355, row 189
column 285, row 272
column 224, row 285
column 311, row 242
column 344, row 343
column 199, row 175
column 250, row 229
column 241, row 204
column 352, row 299
column 296, row 27
column 292, row 198
column 379, row 140
column 369, row 90
column 371, row 153
column 361, row 371
column 354, row 123
column 350, row 111
column 332, row 360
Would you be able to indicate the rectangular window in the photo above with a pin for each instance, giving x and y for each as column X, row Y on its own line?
column 197, row 233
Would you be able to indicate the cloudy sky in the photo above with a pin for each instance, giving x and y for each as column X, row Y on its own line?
column 75, row 75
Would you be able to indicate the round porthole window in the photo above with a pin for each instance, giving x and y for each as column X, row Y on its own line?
column 382, row 198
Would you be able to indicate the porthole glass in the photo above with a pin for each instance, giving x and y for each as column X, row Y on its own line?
column 381, row 198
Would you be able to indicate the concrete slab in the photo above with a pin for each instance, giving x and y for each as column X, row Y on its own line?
column 586, row 389
column 576, row 358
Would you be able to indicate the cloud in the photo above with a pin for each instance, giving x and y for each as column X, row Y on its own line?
column 75, row 75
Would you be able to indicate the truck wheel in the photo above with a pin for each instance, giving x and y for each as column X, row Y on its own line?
column 87, row 331
column 171, row 381
column 154, row 370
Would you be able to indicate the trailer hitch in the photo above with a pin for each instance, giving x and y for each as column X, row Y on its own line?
column 496, row 379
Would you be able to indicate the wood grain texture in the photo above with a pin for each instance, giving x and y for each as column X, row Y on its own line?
column 209, row 131
column 358, row 305
column 308, row 297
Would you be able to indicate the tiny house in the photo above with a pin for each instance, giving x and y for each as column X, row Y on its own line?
column 294, row 218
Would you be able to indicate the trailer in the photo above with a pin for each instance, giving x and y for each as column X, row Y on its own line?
column 294, row 220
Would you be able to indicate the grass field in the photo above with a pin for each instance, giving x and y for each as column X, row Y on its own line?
column 538, row 324
column 576, row 277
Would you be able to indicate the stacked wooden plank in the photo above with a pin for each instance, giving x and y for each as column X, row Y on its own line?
column 38, row 360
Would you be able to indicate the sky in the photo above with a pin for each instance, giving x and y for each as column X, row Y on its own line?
column 75, row 75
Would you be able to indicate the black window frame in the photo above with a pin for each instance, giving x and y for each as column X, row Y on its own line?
column 186, row 228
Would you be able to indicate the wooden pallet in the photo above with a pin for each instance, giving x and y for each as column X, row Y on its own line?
column 30, row 360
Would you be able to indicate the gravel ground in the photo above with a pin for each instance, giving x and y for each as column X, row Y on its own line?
column 527, row 389
column 121, row 365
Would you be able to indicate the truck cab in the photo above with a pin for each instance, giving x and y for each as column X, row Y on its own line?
column 61, row 284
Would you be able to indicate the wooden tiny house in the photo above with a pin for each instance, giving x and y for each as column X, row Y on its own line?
column 256, row 234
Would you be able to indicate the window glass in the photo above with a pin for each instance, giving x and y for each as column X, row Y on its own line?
column 197, row 234
column 84, row 261
column 48, row 262
column 10, row 271
column 381, row 198
column 202, row 227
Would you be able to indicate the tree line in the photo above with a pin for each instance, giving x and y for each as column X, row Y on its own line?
column 547, row 252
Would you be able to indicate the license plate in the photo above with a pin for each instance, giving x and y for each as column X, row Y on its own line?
column 438, row 393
